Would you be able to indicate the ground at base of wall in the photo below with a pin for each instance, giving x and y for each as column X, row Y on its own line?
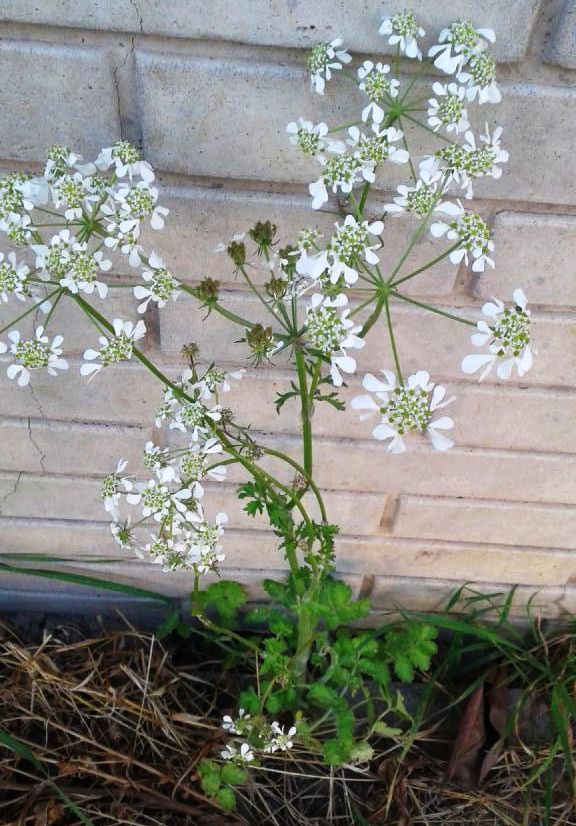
column 112, row 728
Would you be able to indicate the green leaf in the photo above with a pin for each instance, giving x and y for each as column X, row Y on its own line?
column 249, row 701
column 361, row 752
column 226, row 597
column 233, row 775
column 335, row 753
column 323, row 695
column 384, row 730
column 226, row 798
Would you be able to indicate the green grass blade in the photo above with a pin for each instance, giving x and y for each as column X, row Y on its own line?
column 89, row 581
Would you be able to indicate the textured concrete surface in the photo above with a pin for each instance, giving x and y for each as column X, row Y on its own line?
column 208, row 92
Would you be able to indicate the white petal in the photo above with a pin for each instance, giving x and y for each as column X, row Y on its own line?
column 472, row 363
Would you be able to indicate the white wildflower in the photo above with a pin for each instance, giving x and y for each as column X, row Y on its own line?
column 479, row 77
column 331, row 331
column 280, row 740
column 311, row 138
column 448, row 108
column 323, row 60
column 161, row 286
column 471, row 234
column 403, row 31
column 459, row 43
column 113, row 486
column 13, row 278
column 113, row 350
column 160, row 502
column 126, row 160
column 245, row 755
column 507, row 334
column 33, row 354
column 376, row 84
column 406, row 408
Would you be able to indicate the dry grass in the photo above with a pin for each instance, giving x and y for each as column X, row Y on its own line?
column 120, row 723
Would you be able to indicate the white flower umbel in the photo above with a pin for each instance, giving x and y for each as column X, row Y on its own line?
column 506, row 334
column 160, row 287
column 194, row 418
column 32, row 354
column 479, row 77
column 126, row 160
column 448, row 108
column 124, row 236
column 160, row 502
column 136, row 203
column 323, row 60
column 341, row 172
column 157, row 459
column 113, row 350
column 348, row 246
column 205, row 550
column 406, row 409
column 112, row 488
column 420, row 199
column 330, row 331
column 403, row 31
column 195, row 466
column 483, row 161
column 13, row 278
column 72, row 264
column 374, row 149
column 215, row 381
column 459, row 43
column 472, row 235
column 311, row 138
column 376, row 85
column 278, row 739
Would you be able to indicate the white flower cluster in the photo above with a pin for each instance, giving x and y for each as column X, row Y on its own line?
column 173, row 498
column 69, row 218
column 257, row 735
column 351, row 254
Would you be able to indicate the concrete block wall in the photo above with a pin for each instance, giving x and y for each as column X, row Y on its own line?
column 206, row 90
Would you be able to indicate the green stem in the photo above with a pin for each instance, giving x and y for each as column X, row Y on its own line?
column 429, row 129
column 260, row 297
column 373, row 317
column 393, row 343
column 242, row 322
column 305, row 411
column 417, row 234
column 429, row 307
column 28, row 311
column 426, row 266
column 52, row 308
column 313, row 487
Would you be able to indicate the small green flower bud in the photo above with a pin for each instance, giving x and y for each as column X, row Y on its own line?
column 190, row 352
column 276, row 287
column 260, row 339
column 288, row 259
column 237, row 252
column 226, row 416
column 209, row 289
column 262, row 233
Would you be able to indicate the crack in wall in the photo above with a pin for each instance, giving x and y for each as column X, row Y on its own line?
column 10, row 492
column 36, row 445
